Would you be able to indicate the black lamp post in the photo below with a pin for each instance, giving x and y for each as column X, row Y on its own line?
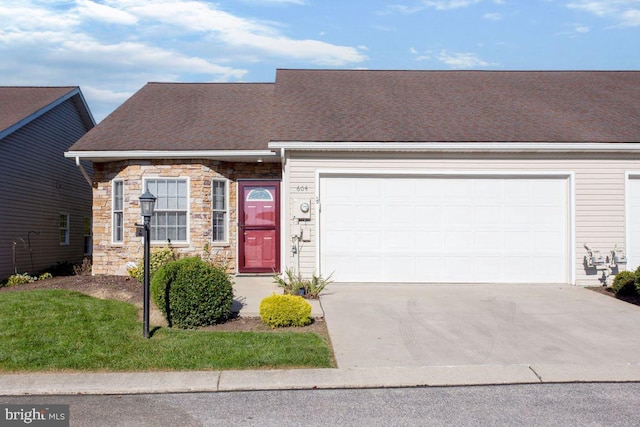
column 147, row 205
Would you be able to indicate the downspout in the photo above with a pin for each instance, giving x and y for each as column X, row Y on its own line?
column 84, row 172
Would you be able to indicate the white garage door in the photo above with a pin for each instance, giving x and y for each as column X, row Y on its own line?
column 633, row 223
column 444, row 229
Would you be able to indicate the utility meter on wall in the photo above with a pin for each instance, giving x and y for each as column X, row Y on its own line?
column 302, row 209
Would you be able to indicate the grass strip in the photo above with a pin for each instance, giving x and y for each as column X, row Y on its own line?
column 51, row 330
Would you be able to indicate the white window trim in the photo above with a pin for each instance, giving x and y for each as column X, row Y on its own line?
column 67, row 231
column 569, row 175
column 224, row 242
column 113, row 211
column 177, row 178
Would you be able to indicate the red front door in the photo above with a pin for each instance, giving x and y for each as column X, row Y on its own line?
column 259, row 225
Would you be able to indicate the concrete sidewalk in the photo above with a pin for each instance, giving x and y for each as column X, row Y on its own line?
column 225, row 381
column 248, row 291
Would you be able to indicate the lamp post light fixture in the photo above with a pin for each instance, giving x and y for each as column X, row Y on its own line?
column 147, row 206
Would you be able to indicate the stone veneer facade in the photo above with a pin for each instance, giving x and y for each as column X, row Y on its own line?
column 112, row 258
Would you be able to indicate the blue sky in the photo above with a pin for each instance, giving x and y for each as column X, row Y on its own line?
column 111, row 48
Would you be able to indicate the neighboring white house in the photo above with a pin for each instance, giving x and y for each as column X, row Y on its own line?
column 45, row 201
column 389, row 176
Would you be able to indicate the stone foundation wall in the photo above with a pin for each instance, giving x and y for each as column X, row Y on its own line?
column 112, row 258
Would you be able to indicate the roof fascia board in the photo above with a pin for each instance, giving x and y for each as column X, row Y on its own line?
column 86, row 110
column 536, row 147
column 31, row 117
column 265, row 155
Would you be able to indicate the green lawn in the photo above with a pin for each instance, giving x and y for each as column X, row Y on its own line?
column 49, row 330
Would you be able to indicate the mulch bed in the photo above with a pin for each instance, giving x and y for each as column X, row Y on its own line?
column 631, row 299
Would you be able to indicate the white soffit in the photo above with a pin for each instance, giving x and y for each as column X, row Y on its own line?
column 225, row 155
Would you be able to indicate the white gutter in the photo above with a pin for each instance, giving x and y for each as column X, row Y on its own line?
column 166, row 154
column 541, row 147
column 84, row 172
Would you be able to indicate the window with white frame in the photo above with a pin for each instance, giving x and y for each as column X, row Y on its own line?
column 63, row 227
column 117, row 213
column 219, row 202
column 169, row 221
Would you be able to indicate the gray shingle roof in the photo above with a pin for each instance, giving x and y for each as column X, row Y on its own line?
column 376, row 106
column 457, row 106
column 18, row 103
column 187, row 116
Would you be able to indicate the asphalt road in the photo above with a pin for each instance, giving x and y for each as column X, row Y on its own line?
column 521, row 405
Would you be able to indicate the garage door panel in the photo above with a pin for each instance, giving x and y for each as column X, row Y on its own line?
column 514, row 215
column 548, row 242
column 516, row 242
column 338, row 241
column 428, row 216
column 488, row 215
column 366, row 240
column 398, row 216
column 456, row 190
column 458, row 241
column 339, row 216
column 490, row 241
column 548, row 215
column 487, row 269
column 458, row 215
column 434, row 229
column 399, row 240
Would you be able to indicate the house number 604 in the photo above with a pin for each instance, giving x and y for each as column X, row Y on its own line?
column 301, row 188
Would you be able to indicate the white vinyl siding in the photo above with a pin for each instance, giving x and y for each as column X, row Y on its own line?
column 597, row 195
column 170, row 219
column 220, row 210
column 117, row 214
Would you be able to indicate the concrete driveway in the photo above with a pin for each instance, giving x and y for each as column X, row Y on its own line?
column 392, row 325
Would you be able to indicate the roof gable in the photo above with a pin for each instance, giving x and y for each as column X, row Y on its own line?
column 456, row 106
column 20, row 105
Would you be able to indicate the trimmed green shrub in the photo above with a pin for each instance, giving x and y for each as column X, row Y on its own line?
column 285, row 310
column 158, row 258
column 637, row 280
column 192, row 293
column 624, row 283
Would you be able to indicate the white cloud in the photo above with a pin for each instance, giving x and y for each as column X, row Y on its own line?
column 448, row 4
column 631, row 18
column 492, row 16
column 435, row 4
column 462, row 60
column 100, row 12
column 234, row 31
column 626, row 12
column 74, row 42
